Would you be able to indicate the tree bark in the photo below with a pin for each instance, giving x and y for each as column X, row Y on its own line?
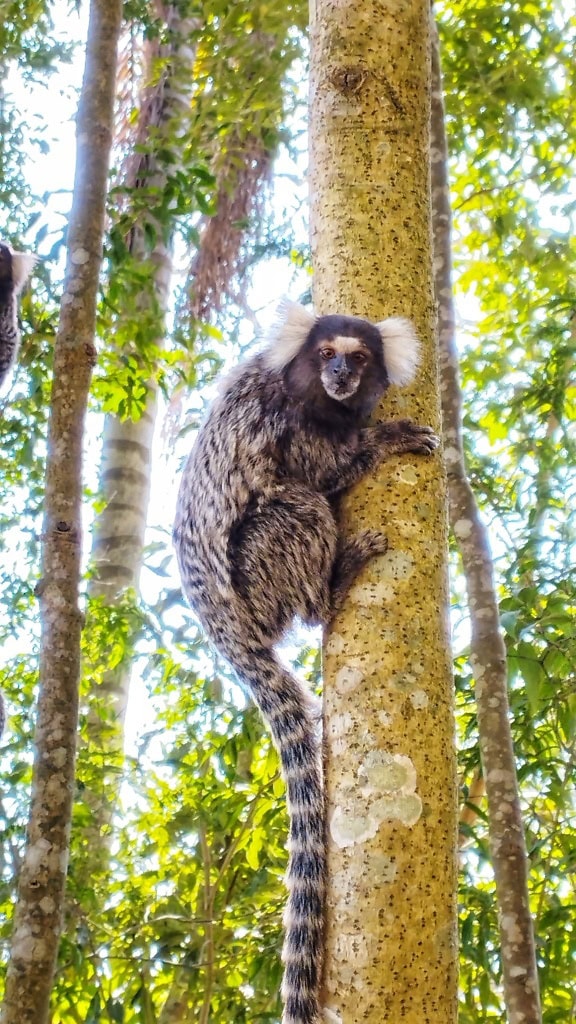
column 391, row 950
column 488, row 652
column 38, row 914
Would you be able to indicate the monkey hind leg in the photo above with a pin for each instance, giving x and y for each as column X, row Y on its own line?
column 281, row 554
column 353, row 554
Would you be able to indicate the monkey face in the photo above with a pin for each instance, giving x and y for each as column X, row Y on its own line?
column 340, row 359
column 342, row 364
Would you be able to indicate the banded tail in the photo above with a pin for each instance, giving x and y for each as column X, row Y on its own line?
column 289, row 710
column 15, row 268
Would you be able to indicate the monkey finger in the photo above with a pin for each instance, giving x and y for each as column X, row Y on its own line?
column 425, row 435
column 432, row 440
column 373, row 541
column 426, row 445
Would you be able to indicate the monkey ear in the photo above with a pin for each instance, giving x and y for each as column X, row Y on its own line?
column 23, row 264
column 288, row 334
column 401, row 349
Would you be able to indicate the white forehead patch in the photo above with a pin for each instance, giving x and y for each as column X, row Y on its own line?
column 344, row 345
column 288, row 335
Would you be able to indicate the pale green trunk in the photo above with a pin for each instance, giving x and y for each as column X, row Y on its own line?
column 389, row 727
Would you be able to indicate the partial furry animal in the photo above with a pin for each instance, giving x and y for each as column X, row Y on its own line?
column 259, row 544
column 15, row 269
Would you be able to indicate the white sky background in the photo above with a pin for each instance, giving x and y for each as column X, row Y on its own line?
column 51, row 106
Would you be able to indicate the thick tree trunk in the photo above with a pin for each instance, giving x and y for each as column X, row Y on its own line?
column 38, row 915
column 389, row 732
column 488, row 653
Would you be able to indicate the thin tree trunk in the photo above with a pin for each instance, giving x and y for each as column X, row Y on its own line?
column 176, row 1008
column 389, row 733
column 126, row 462
column 38, row 914
column 127, row 444
column 488, row 653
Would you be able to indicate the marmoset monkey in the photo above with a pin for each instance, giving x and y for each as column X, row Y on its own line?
column 15, row 269
column 258, row 544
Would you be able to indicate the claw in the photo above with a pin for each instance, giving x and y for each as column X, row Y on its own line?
column 429, row 441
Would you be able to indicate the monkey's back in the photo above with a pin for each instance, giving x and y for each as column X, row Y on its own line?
column 225, row 469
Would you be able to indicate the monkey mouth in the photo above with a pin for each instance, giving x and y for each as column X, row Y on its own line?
column 340, row 389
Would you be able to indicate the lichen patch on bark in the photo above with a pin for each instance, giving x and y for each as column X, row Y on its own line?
column 387, row 792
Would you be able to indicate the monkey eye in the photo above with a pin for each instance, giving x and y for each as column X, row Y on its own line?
column 359, row 358
column 327, row 353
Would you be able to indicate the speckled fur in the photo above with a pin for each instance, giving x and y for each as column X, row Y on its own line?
column 258, row 545
column 15, row 268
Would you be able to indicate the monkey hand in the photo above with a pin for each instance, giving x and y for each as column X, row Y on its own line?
column 371, row 543
column 398, row 436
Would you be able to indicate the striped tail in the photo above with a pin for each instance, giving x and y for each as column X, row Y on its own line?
column 288, row 707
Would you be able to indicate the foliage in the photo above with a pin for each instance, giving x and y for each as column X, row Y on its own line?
column 241, row 54
column 194, row 894
column 191, row 899
column 513, row 137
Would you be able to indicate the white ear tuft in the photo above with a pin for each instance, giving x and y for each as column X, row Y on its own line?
column 287, row 335
column 23, row 264
column 401, row 349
